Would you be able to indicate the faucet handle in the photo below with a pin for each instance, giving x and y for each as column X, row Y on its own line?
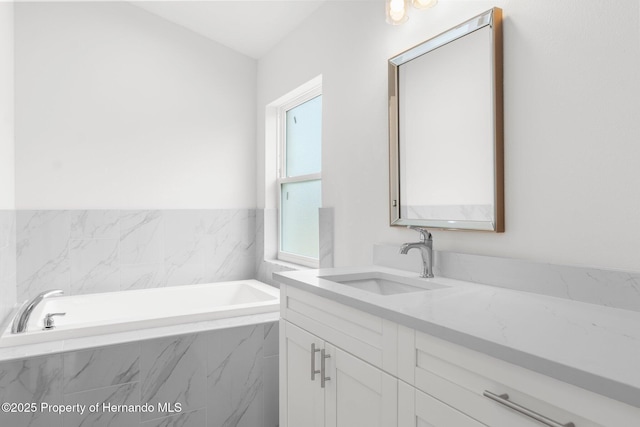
column 425, row 235
column 48, row 320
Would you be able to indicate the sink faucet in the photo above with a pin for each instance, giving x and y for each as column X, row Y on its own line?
column 22, row 317
column 426, row 250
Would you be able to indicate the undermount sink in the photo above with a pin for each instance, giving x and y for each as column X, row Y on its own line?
column 383, row 283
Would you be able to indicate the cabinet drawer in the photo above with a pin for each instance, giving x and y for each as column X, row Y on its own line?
column 418, row 409
column 460, row 377
column 364, row 335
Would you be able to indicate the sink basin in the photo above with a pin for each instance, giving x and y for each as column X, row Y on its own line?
column 383, row 283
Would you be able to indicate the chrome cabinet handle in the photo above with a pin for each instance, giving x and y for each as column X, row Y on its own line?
column 323, row 377
column 503, row 399
column 314, row 371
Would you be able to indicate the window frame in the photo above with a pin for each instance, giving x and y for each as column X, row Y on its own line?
column 281, row 178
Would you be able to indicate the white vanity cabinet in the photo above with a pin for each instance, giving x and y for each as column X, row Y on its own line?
column 323, row 385
column 305, row 399
column 358, row 394
column 499, row 394
column 418, row 409
column 379, row 373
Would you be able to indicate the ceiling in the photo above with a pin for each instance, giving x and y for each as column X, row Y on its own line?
column 249, row 27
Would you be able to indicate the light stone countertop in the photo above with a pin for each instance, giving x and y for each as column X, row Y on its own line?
column 587, row 345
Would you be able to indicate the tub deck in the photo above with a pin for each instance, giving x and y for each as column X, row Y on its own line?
column 108, row 318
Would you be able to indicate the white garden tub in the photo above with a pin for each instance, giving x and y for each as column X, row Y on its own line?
column 105, row 313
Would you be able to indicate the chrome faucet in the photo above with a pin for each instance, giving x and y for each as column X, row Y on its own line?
column 426, row 250
column 22, row 317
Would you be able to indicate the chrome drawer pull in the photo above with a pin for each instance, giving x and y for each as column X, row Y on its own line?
column 314, row 371
column 323, row 377
column 503, row 399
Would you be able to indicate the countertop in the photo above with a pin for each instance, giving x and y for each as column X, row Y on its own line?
column 587, row 345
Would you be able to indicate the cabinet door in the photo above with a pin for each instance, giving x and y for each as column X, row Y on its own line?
column 418, row 409
column 358, row 394
column 301, row 398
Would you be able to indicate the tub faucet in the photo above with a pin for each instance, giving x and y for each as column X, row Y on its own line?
column 22, row 317
column 426, row 250
column 49, row 323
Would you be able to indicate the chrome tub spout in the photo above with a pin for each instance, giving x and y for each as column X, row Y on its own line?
column 19, row 324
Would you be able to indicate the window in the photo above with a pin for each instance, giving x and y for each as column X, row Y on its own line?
column 299, row 177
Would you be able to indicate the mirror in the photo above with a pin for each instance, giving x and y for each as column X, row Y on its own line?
column 446, row 129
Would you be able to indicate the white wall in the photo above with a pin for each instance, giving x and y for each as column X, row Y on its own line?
column 7, row 180
column 571, row 125
column 118, row 108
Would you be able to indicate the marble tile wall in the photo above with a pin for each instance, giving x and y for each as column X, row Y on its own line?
column 88, row 251
column 266, row 247
column 223, row 378
column 609, row 288
column 326, row 238
column 7, row 262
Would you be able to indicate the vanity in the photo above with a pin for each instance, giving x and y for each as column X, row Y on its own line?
column 382, row 347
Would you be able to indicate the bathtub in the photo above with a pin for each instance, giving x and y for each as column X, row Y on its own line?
column 107, row 313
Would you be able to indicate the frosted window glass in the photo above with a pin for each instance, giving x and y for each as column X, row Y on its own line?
column 304, row 127
column 299, row 217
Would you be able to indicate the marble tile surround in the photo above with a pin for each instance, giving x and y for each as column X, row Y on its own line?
column 610, row 288
column 266, row 247
column 7, row 262
column 222, row 378
column 88, row 251
column 326, row 238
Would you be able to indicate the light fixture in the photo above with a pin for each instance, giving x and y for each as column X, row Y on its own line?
column 423, row 4
column 396, row 12
column 397, row 9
